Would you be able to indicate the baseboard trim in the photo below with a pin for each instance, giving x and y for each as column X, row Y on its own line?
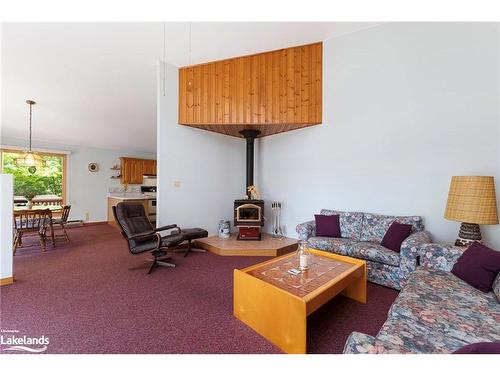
column 94, row 223
column 81, row 223
column 6, row 281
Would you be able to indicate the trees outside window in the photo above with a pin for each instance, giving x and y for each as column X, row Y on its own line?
column 46, row 180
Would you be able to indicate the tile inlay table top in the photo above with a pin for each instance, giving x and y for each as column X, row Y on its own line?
column 275, row 303
column 321, row 271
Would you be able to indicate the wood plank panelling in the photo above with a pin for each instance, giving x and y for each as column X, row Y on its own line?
column 182, row 95
column 273, row 91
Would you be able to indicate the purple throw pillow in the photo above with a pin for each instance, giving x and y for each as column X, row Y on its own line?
column 395, row 235
column 478, row 266
column 327, row 225
column 480, row 348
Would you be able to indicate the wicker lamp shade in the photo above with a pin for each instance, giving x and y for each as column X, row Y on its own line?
column 472, row 199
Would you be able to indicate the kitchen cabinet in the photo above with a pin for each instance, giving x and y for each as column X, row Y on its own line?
column 149, row 166
column 132, row 169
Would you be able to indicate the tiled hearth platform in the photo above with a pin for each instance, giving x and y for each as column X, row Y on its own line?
column 267, row 246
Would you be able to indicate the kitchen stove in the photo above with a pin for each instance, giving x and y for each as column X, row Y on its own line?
column 150, row 192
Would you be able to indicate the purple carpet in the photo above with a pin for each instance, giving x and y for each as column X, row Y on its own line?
column 84, row 298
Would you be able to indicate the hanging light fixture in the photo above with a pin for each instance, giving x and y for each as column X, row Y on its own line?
column 30, row 159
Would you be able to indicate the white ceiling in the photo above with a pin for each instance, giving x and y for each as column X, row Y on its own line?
column 95, row 83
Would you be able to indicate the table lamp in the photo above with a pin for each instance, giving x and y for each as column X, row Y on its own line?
column 471, row 201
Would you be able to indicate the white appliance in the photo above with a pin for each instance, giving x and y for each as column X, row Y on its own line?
column 148, row 188
column 149, row 180
column 152, row 209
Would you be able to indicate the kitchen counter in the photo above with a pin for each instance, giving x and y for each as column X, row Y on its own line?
column 115, row 198
column 129, row 196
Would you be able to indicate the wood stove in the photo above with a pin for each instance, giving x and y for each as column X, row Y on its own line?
column 249, row 213
column 249, row 218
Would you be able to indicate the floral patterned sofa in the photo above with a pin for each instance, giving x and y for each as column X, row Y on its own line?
column 436, row 312
column 362, row 234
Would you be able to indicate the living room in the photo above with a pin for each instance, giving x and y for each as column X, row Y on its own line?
column 333, row 184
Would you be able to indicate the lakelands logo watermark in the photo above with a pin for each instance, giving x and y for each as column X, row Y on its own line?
column 14, row 342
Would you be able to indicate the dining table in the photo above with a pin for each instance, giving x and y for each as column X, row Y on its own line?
column 52, row 209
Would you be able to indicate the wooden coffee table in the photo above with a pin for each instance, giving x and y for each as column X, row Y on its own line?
column 276, row 304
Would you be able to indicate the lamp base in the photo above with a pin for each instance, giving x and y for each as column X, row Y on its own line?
column 468, row 234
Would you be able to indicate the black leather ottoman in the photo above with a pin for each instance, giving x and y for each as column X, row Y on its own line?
column 191, row 234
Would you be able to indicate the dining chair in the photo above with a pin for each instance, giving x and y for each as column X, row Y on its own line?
column 31, row 222
column 62, row 221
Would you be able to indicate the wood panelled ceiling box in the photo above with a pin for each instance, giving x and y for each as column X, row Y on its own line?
column 272, row 92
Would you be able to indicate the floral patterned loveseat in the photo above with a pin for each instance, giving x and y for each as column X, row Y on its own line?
column 436, row 312
column 362, row 234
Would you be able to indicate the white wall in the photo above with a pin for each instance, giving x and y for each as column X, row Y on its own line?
column 406, row 106
column 87, row 191
column 6, row 196
column 210, row 167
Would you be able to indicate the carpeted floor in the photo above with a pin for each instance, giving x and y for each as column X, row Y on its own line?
column 84, row 298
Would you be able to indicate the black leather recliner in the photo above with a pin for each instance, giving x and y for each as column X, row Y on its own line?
column 141, row 236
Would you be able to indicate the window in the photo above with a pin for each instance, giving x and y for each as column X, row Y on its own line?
column 47, row 181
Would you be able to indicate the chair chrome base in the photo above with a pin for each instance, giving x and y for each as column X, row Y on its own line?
column 166, row 264
column 159, row 262
column 189, row 249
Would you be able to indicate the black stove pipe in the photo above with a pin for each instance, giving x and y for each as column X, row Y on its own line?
column 249, row 135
